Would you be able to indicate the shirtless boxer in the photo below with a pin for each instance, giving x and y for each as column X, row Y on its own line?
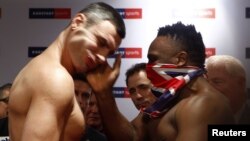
column 186, row 102
column 42, row 104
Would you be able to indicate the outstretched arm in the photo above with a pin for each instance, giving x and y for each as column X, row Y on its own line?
column 116, row 126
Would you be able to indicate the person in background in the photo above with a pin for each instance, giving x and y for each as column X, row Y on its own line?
column 93, row 121
column 186, row 103
column 93, row 118
column 139, row 86
column 82, row 92
column 4, row 98
column 227, row 74
column 42, row 103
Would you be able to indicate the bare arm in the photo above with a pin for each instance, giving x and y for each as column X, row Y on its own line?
column 48, row 111
column 116, row 126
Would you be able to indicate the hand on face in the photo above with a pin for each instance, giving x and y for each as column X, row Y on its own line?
column 103, row 77
column 93, row 60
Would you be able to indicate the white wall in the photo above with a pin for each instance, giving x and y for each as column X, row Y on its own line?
column 228, row 32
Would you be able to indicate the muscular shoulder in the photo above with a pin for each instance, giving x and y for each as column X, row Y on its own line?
column 57, row 84
column 208, row 107
column 49, row 81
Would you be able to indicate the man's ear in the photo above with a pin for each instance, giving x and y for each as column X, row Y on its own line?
column 78, row 20
column 182, row 58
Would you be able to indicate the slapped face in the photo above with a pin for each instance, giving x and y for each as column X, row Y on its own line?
column 82, row 93
column 139, row 87
column 90, row 46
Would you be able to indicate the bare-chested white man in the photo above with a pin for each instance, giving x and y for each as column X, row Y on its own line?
column 42, row 105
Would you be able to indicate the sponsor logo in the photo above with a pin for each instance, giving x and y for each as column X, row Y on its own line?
column 194, row 13
column 210, row 52
column 248, row 52
column 49, row 13
column 130, row 13
column 34, row 51
column 121, row 92
column 248, row 12
column 128, row 53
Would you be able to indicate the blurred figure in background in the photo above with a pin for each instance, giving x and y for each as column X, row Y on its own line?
column 88, row 105
column 4, row 98
column 227, row 74
column 82, row 92
column 94, row 121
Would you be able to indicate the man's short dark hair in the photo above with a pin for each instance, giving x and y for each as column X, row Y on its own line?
column 189, row 40
column 134, row 69
column 7, row 85
column 100, row 11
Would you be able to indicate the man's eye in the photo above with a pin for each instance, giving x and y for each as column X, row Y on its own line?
column 152, row 59
column 86, row 95
column 132, row 91
column 5, row 100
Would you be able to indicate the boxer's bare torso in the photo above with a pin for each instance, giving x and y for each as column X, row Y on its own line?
column 43, row 104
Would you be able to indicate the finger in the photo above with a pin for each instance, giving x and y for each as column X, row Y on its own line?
column 117, row 64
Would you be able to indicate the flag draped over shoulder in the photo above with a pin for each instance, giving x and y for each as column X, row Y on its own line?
column 167, row 80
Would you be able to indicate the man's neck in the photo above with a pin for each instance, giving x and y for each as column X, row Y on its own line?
column 192, row 87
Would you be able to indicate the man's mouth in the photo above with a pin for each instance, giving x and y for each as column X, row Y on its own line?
column 94, row 117
column 90, row 63
column 94, row 59
column 101, row 58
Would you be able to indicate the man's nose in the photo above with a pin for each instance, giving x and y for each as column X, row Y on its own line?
column 138, row 95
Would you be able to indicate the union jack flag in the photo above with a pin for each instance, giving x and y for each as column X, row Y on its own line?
column 167, row 80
